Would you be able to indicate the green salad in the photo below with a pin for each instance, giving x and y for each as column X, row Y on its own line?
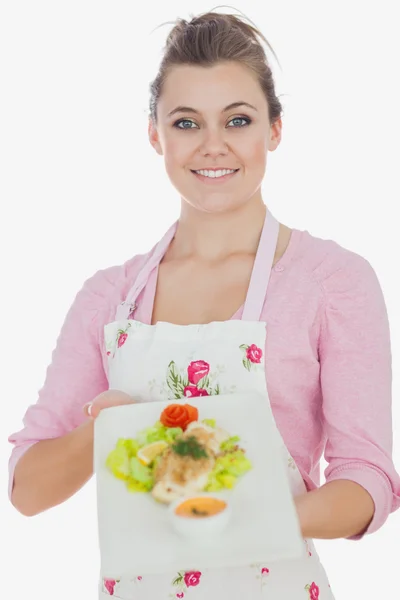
column 135, row 460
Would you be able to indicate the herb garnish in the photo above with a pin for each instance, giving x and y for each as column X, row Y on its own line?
column 199, row 513
column 189, row 447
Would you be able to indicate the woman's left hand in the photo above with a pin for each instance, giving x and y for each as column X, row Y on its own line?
column 338, row 509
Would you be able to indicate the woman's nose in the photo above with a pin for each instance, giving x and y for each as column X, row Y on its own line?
column 214, row 143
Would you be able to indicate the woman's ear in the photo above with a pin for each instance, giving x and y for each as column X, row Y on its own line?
column 275, row 135
column 154, row 137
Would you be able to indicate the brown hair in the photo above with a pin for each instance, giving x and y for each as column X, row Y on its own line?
column 211, row 38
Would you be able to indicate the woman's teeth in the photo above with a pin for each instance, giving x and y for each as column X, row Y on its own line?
column 219, row 173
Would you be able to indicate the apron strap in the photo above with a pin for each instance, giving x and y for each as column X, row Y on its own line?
column 155, row 256
column 262, row 268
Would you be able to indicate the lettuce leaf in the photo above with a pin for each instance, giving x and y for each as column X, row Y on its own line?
column 141, row 473
column 230, row 443
column 118, row 462
column 172, row 433
column 227, row 470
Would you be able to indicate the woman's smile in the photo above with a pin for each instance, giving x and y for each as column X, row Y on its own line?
column 215, row 176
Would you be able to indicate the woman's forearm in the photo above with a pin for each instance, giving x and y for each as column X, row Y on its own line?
column 338, row 509
column 52, row 470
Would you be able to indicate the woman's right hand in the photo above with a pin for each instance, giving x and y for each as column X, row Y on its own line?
column 106, row 399
column 53, row 469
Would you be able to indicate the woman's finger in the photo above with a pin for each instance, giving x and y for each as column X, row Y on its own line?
column 106, row 400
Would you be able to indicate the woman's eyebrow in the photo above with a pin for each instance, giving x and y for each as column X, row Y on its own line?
column 188, row 109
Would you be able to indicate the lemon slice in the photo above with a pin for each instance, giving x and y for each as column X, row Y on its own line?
column 148, row 453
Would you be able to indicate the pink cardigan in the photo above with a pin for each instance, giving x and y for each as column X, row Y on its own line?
column 328, row 365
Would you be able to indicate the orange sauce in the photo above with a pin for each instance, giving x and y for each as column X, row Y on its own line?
column 197, row 508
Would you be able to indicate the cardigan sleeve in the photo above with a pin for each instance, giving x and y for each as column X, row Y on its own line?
column 356, row 382
column 75, row 376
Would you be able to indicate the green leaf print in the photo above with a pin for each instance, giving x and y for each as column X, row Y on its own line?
column 174, row 381
column 247, row 364
column 178, row 580
column 243, row 346
column 204, row 383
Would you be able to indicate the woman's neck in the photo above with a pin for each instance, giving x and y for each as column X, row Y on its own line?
column 213, row 237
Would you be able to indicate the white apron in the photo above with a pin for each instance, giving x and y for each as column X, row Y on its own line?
column 148, row 362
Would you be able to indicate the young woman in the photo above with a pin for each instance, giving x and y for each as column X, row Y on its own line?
column 230, row 268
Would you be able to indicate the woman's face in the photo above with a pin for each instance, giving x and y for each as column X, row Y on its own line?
column 214, row 119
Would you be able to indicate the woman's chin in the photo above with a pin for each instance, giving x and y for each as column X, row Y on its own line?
column 214, row 205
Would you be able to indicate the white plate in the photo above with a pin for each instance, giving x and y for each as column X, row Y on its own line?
column 135, row 532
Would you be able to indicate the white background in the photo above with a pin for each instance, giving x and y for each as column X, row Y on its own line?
column 81, row 189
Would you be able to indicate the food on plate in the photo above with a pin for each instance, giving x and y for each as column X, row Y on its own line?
column 179, row 456
column 147, row 454
column 179, row 415
column 200, row 507
column 201, row 515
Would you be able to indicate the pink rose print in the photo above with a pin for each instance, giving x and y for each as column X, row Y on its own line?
column 108, row 353
column 197, row 370
column 183, row 581
column 313, row 591
column 195, row 382
column 264, row 571
column 122, row 339
column 191, row 391
column 122, row 336
column 192, row 578
column 254, row 354
column 109, row 584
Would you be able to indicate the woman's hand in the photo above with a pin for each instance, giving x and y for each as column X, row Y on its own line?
column 54, row 469
column 338, row 509
column 106, row 400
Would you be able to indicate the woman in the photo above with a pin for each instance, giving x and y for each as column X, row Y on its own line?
column 214, row 118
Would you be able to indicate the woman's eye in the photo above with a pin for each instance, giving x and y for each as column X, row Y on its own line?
column 185, row 124
column 240, row 121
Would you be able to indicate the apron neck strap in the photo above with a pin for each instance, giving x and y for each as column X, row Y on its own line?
column 153, row 260
column 262, row 268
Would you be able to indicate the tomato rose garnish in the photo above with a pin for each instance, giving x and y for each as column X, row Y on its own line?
column 179, row 415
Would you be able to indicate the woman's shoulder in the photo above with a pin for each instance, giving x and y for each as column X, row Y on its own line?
column 345, row 284
column 110, row 285
column 330, row 264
